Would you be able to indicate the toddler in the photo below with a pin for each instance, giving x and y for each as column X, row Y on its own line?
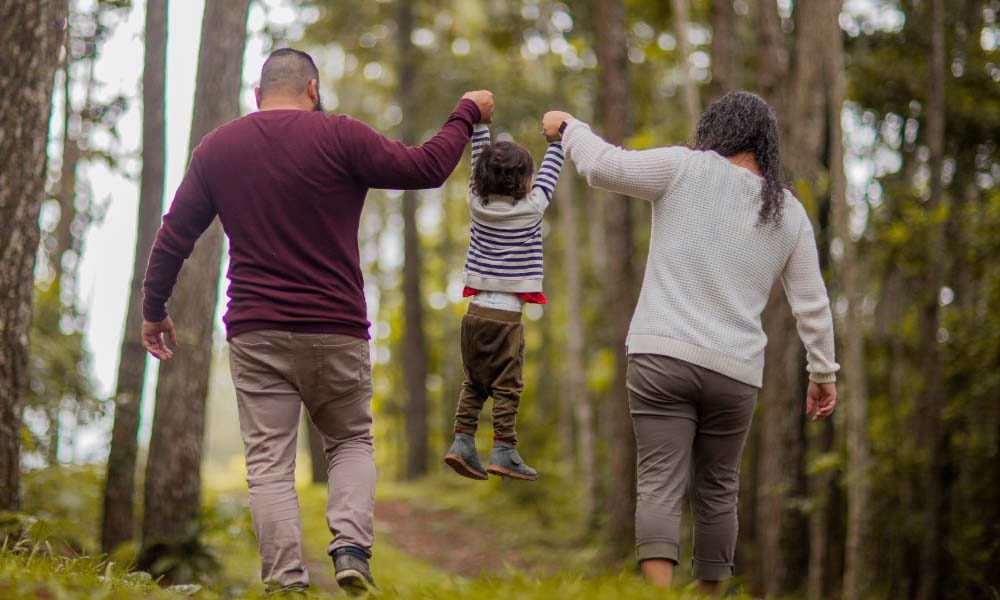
column 503, row 271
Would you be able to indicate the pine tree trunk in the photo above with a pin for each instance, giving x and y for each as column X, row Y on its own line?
column 173, row 471
column 931, row 401
column 31, row 34
column 851, row 330
column 574, row 386
column 725, row 49
column 118, row 517
column 781, row 477
column 414, row 339
column 66, row 194
column 613, row 101
column 692, row 104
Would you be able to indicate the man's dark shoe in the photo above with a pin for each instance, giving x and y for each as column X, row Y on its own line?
column 353, row 575
column 295, row 590
column 463, row 458
column 506, row 462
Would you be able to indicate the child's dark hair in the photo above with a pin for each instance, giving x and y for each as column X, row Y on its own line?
column 503, row 169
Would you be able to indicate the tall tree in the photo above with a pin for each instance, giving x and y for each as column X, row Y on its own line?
column 725, row 49
column 31, row 34
column 414, row 342
column 931, row 401
column 798, row 101
column 682, row 25
column 118, row 518
column 614, row 109
column 851, row 329
column 574, row 381
column 173, row 471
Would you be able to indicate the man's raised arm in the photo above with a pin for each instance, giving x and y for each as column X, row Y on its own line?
column 378, row 162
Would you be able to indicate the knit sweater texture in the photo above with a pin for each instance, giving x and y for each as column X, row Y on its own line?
column 505, row 239
column 711, row 266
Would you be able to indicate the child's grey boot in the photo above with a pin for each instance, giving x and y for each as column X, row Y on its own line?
column 463, row 458
column 506, row 462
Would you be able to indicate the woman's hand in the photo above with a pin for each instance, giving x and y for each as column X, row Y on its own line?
column 821, row 400
column 551, row 123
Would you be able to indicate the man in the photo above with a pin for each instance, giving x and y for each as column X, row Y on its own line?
column 288, row 184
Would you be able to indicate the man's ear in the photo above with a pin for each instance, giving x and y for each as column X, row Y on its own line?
column 256, row 95
column 312, row 90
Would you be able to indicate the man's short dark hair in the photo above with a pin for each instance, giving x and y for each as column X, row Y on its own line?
column 287, row 72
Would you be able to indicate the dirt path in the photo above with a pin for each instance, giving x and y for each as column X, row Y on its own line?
column 449, row 541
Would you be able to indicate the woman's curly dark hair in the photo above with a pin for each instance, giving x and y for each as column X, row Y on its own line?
column 503, row 169
column 742, row 122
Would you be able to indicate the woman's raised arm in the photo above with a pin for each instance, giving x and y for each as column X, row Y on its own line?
column 645, row 174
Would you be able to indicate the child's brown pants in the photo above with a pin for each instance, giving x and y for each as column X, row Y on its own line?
column 493, row 358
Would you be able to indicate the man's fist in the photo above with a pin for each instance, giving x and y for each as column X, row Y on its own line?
column 484, row 100
column 551, row 123
column 152, row 338
column 821, row 400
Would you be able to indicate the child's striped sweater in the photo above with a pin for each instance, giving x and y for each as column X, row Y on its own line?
column 505, row 243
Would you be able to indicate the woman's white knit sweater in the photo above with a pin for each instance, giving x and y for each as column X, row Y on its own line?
column 711, row 266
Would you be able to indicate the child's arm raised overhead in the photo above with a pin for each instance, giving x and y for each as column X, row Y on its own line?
column 480, row 139
column 548, row 172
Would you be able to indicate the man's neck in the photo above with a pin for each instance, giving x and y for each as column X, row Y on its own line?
column 284, row 104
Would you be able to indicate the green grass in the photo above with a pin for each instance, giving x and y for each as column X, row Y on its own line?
column 45, row 555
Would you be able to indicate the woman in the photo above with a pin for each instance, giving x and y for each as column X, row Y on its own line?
column 724, row 229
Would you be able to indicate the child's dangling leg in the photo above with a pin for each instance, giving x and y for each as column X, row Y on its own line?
column 505, row 338
column 462, row 456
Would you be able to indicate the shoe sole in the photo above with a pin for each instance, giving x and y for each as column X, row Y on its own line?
column 504, row 472
column 458, row 464
column 353, row 582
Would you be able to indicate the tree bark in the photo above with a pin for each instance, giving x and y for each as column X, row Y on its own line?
column 931, row 401
column 725, row 49
column 118, row 517
column 783, row 558
column 613, row 101
column 574, row 386
column 173, row 471
column 692, row 105
column 414, row 338
column 851, row 329
column 31, row 34
column 772, row 58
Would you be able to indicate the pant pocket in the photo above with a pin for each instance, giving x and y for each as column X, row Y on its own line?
column 340, row 368
column 251, row 364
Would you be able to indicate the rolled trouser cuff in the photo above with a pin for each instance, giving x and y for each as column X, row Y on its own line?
column 711, row 571
column 661, row 549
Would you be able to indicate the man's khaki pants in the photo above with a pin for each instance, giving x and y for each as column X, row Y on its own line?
column 275, row 372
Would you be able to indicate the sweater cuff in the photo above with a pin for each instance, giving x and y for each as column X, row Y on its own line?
column 466, row 111
column 154, row 312
column 823, row 377
column 572, row 125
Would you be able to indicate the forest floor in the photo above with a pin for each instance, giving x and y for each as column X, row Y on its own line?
column 442, row 538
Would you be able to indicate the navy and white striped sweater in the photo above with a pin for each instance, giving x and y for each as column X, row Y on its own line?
column 505, row 241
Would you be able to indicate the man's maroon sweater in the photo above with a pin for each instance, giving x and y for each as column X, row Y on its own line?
column 289, row 186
